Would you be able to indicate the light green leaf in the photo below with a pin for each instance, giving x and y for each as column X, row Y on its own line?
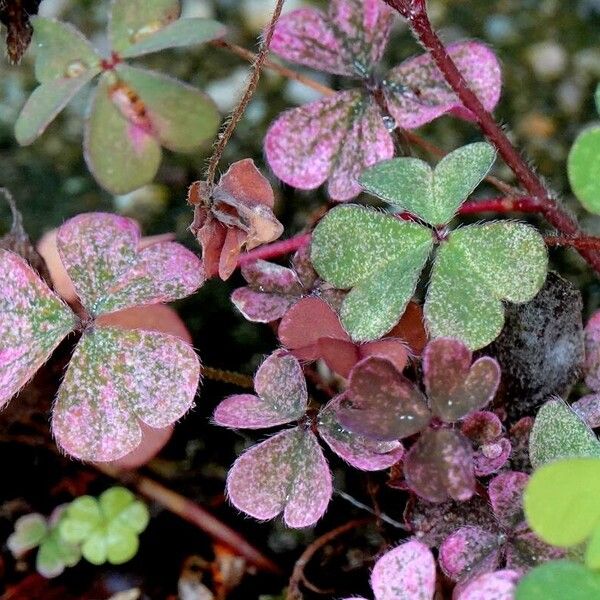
column 561, row 501
column 433, row 195
column 114, row 501
column 55, row 554
column 122, row 155
column 592, row 551
column 63, row 52
column 559, row 580
column 133, row 20
column 377, row 255
column 121, row 544
column 94, row 548
column 183, row 32
column 81, row 518
column 44, row 104
column 477, row 268
column 558, row 432
column 584, row 169
column 29, row 532
column 180, row 116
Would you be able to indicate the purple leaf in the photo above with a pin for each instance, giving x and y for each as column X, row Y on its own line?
column 526, row 550
column 288, row 473
column 417, row 93
column 506, row 497
column 405, row 573
column 33, row 321
column 470, row 551
column 385, row 405
column 360, row 452
column 592, row 352
column 588, row 408
column 491, row 457
column 282, row 396
column 100, row 253
column 271, row 291
column 439, row 466
column 333, row 139
column 115, row 379
column 482, row 427
column 349, row 40
column 456, row 388
column 500, row 585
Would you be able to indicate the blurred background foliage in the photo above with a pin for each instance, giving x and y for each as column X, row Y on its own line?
column 550, row 52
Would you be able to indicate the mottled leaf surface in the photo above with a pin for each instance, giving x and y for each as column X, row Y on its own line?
column 417, row 93
column 558, row 432
column 359, row 451
column 592, row 352
column 499, row 585
column 347, row 251
column 33, row 321
column 477, row 268
column 282, row 396
column 115, row 378
column 286, row 473
column 332, row 139
column 455, row 387
column 101, row 255
column 505, row 492
column 434, row 195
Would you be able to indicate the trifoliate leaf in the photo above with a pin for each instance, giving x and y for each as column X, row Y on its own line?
column 281, row 396
column 583, row 168
column 100, row 253
column 378, row 256
column 121, row 153
column 33, row 321
column 477, row 268
column 561, row 501
column 559, row 432
column 559, row 580
column 286, row 473
column 115, row 378
column 180, row 116
column 433, row 195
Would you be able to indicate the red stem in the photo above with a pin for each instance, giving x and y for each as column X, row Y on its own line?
column 580, row 243
column 274, row 250
column 500, row 205
column 415, row 12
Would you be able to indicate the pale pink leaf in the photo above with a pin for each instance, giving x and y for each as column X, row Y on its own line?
column 282, row 396
column 470, row 551
column 588, row 408
column 499, row 585
column 101, row 254
column 491, row 457
column 439, row 466
column 506, row 497
column 286, row 473
column 592, row 352
column 360, row 452
column 33, row 321
column 405, row 573
column 349, row 40
column 116, row 378
column 417, row 93
column 333, row 139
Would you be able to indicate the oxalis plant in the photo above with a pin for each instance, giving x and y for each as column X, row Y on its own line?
column 424, row 399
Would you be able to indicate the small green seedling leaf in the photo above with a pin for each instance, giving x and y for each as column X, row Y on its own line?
column 55, row 554
column 477, row 268
column 561, row 501
column 378, row 256
column 433, row 195
column 583, row 168
column 559, row 580
column 559, row 432
column 30, row 530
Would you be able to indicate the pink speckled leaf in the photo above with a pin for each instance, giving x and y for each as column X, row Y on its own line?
column 271, row 291
column 417, row 93
column 116, row 378
column 360, row 452
column 456, row 388
column 592, row 352
column 33, row 321
column 470, row 551
column 333, row 139
column 384, row 405
column 499, row 585
column 588, row 408
column 305, row 323
column 405, row 573
column 288, row 473
column 282, row 396
column 491, row 457
column 100, row 253
column 439, row 466
column 349, row 40
column 506, row 497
